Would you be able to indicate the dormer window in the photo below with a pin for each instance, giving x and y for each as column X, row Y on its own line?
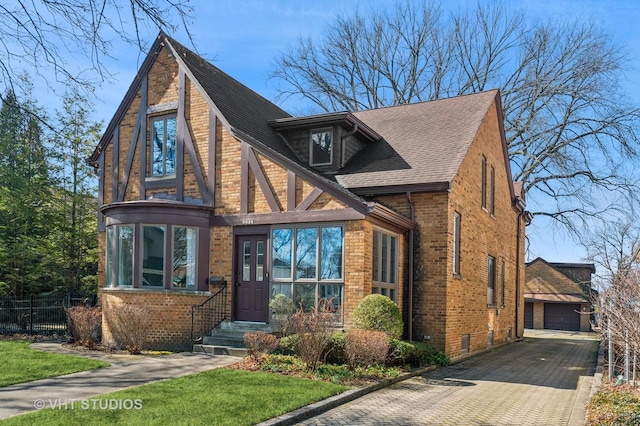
column 163, row 150
column 321, row 149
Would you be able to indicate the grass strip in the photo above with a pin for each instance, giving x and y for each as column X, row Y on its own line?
column 22, row 364
column 221, row 397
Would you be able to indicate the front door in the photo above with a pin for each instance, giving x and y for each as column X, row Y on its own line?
column 251, row 283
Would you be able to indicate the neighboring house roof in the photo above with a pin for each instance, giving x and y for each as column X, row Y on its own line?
column 545, row 283
column 425, row 142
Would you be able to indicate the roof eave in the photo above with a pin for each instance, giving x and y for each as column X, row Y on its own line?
column 401, row 189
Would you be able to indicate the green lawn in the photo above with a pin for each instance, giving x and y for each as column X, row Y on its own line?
column 22, row 364
column 219, row 397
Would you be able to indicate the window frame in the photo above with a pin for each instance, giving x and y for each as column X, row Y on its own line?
column 491, row 281
column 137, row 260
column 492, row 191
column 293, row 285
column 483, row 180
column 194, row 268
column 313, row 132
column 502, row 284
column 152, row 135
column 457, row 227
column 381, row 279
column 143, row 258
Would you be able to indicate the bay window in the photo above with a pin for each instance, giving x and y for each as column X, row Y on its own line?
column 157, row 244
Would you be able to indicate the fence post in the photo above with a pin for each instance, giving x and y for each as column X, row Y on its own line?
column 31, row 315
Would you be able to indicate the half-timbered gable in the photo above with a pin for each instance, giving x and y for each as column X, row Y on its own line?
column 210, row 194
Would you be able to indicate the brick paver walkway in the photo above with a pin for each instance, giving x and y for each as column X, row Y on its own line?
column 544, row 380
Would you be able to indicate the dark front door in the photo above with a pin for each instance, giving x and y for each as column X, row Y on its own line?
column 251, row 283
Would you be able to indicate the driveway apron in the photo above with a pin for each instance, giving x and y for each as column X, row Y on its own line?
column 543, row 380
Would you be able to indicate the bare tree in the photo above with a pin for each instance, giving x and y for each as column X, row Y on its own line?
column 570, row 130
column 614, row 248
column 51, row 37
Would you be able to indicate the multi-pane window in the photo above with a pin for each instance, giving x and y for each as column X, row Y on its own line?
column 307, row 265
column 152, row 270
column 456, row 243
column 491, row 280
column 385, row 264
column 163, row 150
column 321, row 147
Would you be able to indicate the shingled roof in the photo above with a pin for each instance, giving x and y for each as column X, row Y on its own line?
column 425, row 141
column 545, row 283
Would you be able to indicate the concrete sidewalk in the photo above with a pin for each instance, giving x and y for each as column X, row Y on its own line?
column 125, row 371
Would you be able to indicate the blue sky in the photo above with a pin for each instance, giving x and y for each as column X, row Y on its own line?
column 242, row 37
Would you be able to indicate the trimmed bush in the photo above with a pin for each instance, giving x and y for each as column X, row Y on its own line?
column 259, row 344
column 84, row 323
column 379, row 313
column 365, row 348
column 415, row 354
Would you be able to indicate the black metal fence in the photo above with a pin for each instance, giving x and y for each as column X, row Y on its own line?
column 40, row 314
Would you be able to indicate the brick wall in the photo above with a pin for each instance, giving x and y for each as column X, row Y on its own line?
column 445, row 307
column 170, row 315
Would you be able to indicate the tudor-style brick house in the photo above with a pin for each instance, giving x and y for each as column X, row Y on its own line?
column 200, row 176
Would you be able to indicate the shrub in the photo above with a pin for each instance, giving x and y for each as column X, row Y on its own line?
column 312, row 332
column 84, row 323
column 416, row 354
column 281, row 307
column 379, row 313
column 335, row 353
column 130, row 326
column 259, row 344
column 365, row 348
column 401, row 353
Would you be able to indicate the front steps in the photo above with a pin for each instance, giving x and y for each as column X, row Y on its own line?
column 228, row 339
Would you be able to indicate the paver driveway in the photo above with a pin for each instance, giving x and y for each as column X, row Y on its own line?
column 544, row 380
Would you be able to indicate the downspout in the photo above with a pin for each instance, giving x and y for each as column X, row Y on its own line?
column 523, row 216
column 410, row 278
column 519, row 228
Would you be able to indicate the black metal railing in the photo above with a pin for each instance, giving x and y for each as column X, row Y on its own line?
column 40, row 314
column 209, row 314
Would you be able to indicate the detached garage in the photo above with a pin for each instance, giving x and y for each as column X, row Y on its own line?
column 553, row 300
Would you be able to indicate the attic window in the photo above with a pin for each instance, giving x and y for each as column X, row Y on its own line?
column 321, row 148
column 163, row 150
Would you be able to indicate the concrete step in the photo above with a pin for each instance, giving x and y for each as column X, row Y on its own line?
column 222, row 339
column 246, row 326
column 219, row 350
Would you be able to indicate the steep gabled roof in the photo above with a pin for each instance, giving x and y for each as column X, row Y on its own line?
column 426, row 141
column 543, row 282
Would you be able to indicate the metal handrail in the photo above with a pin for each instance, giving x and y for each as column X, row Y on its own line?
column 208, row 315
